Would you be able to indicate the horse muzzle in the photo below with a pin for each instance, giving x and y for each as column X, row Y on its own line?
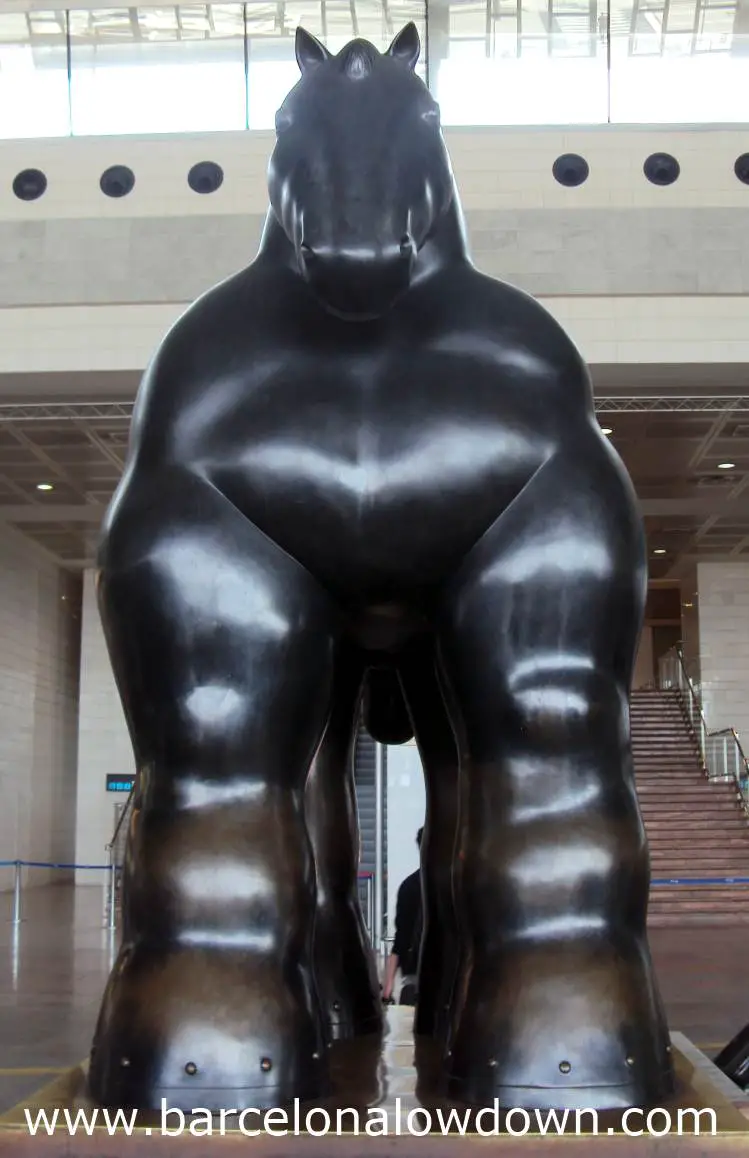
column 362, row 282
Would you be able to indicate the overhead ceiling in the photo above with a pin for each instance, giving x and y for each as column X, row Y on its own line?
column 672, row 446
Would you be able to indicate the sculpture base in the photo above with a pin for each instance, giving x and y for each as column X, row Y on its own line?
column 373, row 1073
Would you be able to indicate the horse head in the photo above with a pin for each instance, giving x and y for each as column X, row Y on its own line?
column 359, row 175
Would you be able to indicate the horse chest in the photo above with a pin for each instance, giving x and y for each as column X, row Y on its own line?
column 392, row 464
column 375, row 436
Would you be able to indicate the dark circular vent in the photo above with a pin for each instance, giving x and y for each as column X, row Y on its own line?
column 205, row 177
column 29, row 184
column 661, row 169
column 570, row 169
column 117, row 181
column 741, row 168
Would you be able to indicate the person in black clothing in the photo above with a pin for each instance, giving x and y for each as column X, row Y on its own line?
column 407, row 942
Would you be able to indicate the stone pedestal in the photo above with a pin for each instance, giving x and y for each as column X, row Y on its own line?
column 394, row 1078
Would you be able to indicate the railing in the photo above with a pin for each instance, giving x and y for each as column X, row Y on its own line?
column 19, row 865
column 113, row 869
column 115, row 861
column 365, row 886
column 722, row 755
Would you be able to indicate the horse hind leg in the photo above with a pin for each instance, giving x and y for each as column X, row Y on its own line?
column 438, row 748
column 344, row 961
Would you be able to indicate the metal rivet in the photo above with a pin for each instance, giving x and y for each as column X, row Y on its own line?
column 668, row 1049
column 630, row 1061
column 191, row 1069
column 125, row 1061
column 266, row 1064
column 564, row 1067
column 492, row 1062
column 315, row 1057
column 336, row 1005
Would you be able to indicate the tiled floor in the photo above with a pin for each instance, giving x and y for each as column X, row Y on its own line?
column 52, row 972
column 53, row 968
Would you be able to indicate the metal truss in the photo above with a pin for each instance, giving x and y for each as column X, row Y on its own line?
column 85, row 411
column 714, row 404
column 65, row 411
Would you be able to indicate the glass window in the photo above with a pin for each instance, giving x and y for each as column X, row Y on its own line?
column 166, row 69
column 526, row 62
column 272, row 68
column 34, row 75
column 679, row 61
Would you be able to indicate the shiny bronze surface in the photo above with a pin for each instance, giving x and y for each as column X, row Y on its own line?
column 441, row 851
column 344, row 961
column 385, row 1099
column 357, row 443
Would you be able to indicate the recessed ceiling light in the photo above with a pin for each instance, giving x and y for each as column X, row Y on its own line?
column 607, row 430
column 726, row 465
column 44, row 487
column 659, row 551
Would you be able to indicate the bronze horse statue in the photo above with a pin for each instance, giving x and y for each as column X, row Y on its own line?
column 359, row 454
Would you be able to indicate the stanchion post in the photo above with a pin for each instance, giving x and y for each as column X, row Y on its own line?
column 17, row 894
column 112, row 884
column 370, row 909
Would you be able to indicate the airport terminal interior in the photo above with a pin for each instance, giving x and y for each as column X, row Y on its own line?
column 601, row 151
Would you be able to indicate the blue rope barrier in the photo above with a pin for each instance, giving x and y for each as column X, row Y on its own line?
column 686, row 881
column 49, row 864
column 702, row 881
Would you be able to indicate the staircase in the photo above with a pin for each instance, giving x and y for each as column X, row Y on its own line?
column 696, row 828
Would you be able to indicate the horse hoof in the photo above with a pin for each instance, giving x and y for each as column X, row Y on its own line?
column 204, row 1028
column 562, row 1026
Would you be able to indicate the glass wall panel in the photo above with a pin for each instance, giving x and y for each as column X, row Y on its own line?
column 514, row 62
column 679, row 61
column 270, row 41
column 34, row 75
column 202, row 67
column 159, row 69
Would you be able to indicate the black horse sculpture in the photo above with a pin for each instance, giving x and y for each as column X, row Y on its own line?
column 361, row 454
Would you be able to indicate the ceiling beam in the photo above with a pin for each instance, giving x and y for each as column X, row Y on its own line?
column 702, row 508
column 710, row 439
column 59, row 513
column 714, row 506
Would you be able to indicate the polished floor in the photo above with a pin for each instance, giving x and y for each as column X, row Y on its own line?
column 54, row 965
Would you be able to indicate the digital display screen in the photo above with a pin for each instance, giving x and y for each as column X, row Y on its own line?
column 120, row 783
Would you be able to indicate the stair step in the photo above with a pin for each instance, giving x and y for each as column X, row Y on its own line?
column 695, row 852
column 700, row 865
column 695, row 827
column 737, row 892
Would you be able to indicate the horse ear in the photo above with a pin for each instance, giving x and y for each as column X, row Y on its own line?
column 309, row 51
column 406, row 46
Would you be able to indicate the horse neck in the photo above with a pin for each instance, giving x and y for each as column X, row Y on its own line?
column 447, row 243
column 445, row 246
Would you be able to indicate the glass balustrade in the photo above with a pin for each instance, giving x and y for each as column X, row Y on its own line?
column 723, row 756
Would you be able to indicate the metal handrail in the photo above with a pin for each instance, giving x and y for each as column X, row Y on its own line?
column 111, row 850
column 125, row 812
column 716, row 761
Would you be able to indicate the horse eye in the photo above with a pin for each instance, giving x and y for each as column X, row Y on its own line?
column 283, row 121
